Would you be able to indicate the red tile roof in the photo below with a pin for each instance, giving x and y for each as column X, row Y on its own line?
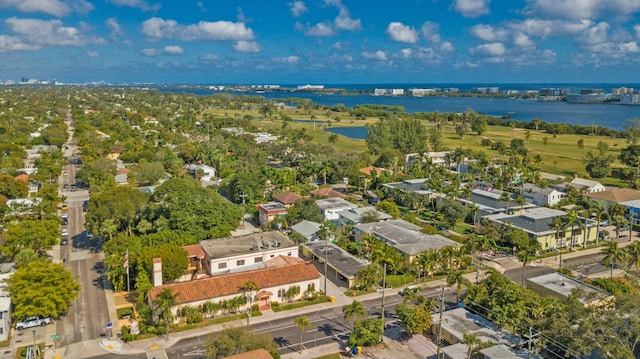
column 194, row 250
column 230, row 284
column 327, row 192
column 287, row 197
column 23, row 177
column 122, row 171
column 367, row 170
column 283, row 261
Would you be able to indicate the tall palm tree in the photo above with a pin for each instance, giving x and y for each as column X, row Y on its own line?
column 525, row 257
column 302, row 323
column 632, row 255
column 369, row 276
column 505, row 197
column 353, row 312
column 601, row 212
column 428, row 261
column 619, row 221
column 612, row 254
column 164, row 304
column 571, row 219
column 471, row 340
column 458, row 278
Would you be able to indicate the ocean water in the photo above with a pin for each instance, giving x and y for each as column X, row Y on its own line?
column 601, row 115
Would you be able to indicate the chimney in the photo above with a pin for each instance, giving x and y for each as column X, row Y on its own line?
column 157, row 272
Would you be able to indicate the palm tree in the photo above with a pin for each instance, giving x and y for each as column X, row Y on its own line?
column 521, row 201
column 353, row 312
column 428, row 261
column 581, row 146
column 369, row 276
column 612, row 254
column 505, row 197
column 249, row 286
column 459, row 280
column 632, row 254
column 164, row 304
column 325, row 169
column 471, row 340
column 599, row 210
column 619, row 221
column 210, row 308
column 525, row 257
column 302, row 323
column 572, row 219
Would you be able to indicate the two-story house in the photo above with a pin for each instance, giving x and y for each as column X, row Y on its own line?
column 541, row 196
column 538, row 223
column 234, row 254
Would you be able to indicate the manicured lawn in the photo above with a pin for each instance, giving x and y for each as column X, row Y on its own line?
column 560, row 155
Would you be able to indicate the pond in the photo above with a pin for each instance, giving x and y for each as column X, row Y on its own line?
column 356, row 132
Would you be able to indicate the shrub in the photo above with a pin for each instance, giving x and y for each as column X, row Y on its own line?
column 275, row 305
column 400, row 280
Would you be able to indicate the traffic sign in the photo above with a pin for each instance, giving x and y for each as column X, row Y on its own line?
column 109, row 325
column 55, row 337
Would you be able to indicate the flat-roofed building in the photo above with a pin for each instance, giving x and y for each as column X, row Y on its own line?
column 405, row 237
column 460, row 321
column 267, row 212
column 342, row 267
column 330, row 207
column 561, row 286
column 358, row 215
column 234, row 254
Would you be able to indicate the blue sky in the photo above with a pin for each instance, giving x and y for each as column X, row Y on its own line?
column 321, row 41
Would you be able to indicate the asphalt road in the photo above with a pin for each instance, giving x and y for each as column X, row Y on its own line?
column 328, row 325
column 87, row 316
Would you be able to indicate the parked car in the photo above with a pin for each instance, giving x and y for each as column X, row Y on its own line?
column 89, row 235
column 65, row 232
column 73, row 188
column 32, row 322
column 64, row 241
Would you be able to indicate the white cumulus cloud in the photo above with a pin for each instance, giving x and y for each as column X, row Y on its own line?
column 93, row 54
column 11, row 43
column 202, row 31
column 582, row 9
column 493, row 49
column 151, row 52
column 288, row 60
column 399, row 32
column 378, row 55
column 114, row 28
column 344, row 21
column 320, row 30
column 49, row 33
column 297, row 8
column 210, row 57
column 431, row 32
column 173, row 50
column 472, row 8
column 406, row 53
column 140, row 4
column 51, row 7
column 247, row 46
column 522, row 40
column 544, row 28
column 488, row 33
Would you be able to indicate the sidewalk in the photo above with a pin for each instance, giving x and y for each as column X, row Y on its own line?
column 98, row 347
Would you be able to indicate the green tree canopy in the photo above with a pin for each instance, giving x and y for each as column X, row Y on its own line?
column 237, row 340
column 403, row 135
column 41, row 288
column 185, row 206
column 33, row 234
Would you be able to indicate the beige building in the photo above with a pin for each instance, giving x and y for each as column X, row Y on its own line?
column 538, row 223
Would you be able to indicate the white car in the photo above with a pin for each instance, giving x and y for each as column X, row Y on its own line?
column 32, row 322
column 65, row 232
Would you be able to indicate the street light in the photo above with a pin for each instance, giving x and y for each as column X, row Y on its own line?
column 34, row 339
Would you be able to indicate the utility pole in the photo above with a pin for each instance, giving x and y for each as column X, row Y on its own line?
column 243, row 196
column 530, row 341
column 440, row 322
column 250, row 304
column 383, row 289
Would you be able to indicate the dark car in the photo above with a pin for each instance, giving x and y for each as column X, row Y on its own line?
column 73, row 188
column 64, row 241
